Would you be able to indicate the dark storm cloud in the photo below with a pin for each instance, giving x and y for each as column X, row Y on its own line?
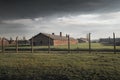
column 10, row 9
column 12, row 28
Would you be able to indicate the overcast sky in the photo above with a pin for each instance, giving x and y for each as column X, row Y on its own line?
column 74, row 17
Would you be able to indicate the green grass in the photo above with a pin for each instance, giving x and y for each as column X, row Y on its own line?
column 96, row 46
column 43, row 66
column 80, row 46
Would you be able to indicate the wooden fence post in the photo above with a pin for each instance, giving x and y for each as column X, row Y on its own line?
column 89, row 42
column 114, row 42
column 68, row 43
column 17, row 44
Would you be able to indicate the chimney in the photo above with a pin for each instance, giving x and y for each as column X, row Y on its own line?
column 66, row 35
column 53, row 33
column 60, row 34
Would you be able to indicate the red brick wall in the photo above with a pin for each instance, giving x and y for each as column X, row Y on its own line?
column 5, row 43
column 64, row 42
column 42, row 40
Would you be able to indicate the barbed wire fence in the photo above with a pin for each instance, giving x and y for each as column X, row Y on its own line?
column 16, row 48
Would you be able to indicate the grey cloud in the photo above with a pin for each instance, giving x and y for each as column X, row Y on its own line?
column 16, row 28
column 34, row 8
column 13, row 28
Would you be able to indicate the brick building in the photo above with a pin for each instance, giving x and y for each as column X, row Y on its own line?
column 110, row 41
column 82, row 40
column 5, row 41
column 43, row 39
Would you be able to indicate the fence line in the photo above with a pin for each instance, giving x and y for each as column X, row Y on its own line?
column 17, row 49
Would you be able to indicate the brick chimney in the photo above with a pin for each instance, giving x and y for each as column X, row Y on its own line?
column 53, row 33
column 60, row 34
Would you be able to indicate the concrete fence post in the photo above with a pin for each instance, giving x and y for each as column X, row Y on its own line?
column 89, row 39
column 114, row 42
column 68, row 43
column 49, row 44
column 3, row 45
column 0, row 44
column 17, row 44
column 32, row 45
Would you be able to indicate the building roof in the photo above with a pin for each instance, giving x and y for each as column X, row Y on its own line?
column 4, row 39
column 55, row 37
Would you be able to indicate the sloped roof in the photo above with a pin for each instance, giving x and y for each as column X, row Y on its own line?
column 55, row 37
column 4, row 39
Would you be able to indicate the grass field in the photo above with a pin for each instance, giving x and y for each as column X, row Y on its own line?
column 80, row 45
column 44, row 66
